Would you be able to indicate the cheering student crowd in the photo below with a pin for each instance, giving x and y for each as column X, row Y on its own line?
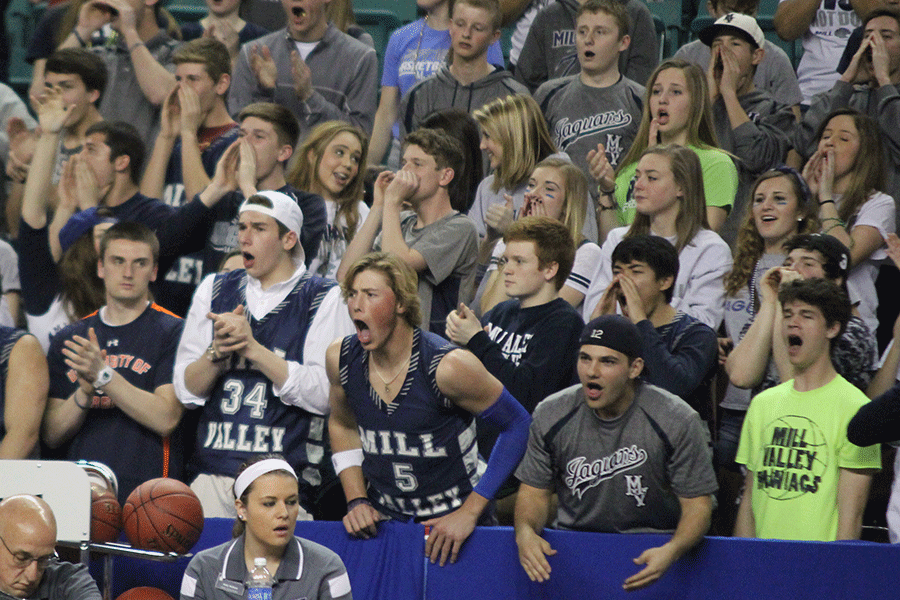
column 516, row 317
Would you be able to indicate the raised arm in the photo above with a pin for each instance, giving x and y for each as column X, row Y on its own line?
column 91, row 16
column 362, row 242
column 154, row 80
column 52, row 113
column 463, row 379
column 793, row 18
column 401, row 188
column 154, row 179
column 747, row 362
column 497, row 219
column 862, row 239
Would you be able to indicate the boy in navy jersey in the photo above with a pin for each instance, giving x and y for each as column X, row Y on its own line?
column 406, row 400
column 111, row 393
column 253, row 357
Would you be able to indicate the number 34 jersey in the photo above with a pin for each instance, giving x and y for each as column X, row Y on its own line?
column 243, row 416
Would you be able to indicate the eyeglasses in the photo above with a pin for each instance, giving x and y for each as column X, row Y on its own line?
column 23, row 560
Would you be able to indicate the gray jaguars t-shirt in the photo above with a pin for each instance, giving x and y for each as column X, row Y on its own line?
column 623, row 475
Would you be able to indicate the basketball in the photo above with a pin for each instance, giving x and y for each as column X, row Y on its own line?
column 106, row 515
column 144, row 593
column 163, row 514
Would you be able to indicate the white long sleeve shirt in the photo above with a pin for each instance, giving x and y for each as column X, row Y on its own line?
column 306, row 385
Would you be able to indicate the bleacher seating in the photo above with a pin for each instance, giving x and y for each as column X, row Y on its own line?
column 404, row 9
column 667, row 16
column 20, row 20
column 379, row 23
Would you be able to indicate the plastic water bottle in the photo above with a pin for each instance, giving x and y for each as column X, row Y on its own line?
column 259, row 582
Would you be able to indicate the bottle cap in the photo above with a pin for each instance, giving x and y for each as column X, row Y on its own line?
column 259, row 562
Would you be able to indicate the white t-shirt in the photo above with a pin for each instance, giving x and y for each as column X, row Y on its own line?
column 878, row 212
column 823, row 45
column 523, row 26
column 304, row 48
column 44, row 326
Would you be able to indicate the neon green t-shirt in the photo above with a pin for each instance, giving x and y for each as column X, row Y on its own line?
column 720, row 182
column 795, row 443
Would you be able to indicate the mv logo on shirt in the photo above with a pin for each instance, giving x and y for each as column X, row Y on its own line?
column 582, row 475
column 635, row 489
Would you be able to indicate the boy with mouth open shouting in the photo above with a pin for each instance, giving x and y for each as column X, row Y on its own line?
column 253, row 359
column 679, row 350
column 622, row 456
column 805, row 480
column 760, row 360
column 405, row 400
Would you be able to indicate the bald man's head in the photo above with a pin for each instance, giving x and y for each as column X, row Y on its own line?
column 28, row 534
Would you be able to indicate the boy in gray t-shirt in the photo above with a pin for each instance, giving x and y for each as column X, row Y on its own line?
column 598, row 105
column 622, row 456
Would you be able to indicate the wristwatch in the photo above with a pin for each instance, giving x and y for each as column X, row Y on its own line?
column 104, row 376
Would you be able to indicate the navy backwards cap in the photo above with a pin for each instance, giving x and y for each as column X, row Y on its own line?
column 614, row 332
column 836, row 254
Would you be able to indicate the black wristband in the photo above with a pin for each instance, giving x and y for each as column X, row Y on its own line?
column 356, row 502
column 603, row 192
column 823, row 202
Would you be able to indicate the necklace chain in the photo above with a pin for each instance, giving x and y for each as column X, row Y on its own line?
column 387, row 384
column 419, row 45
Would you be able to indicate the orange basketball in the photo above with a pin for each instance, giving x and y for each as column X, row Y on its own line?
column 163, row 514
column 144, row 593
column 106, row 515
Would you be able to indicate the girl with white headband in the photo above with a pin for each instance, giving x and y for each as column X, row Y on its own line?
column 267, row 504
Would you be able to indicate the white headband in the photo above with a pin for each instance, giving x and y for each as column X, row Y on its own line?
column 256, row 470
